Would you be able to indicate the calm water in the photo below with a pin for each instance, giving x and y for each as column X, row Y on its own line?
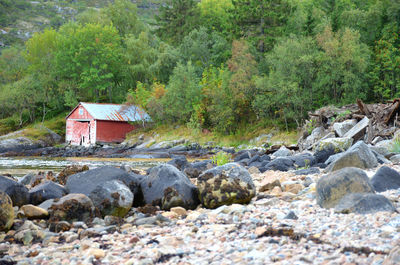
column 19, row 166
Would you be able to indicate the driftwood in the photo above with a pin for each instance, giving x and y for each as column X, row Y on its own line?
column 383, row 118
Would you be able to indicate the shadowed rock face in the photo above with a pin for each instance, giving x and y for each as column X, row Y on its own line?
column 334, row 186
column 364, row 203
column 168, row 187
column 386, row 178
column 72, row 207
column 6, row 212
column 18, row 193
column 225, row 185
column 46, row 191
column 85, row 182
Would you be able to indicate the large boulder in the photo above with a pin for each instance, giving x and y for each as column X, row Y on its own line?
column 68, row 171
column 386, row 178
column 225, row 185
column 168, row 187
column 282, row 152
column 333, row 187
column 18, row 193
column 359, row 155
column 364, row 203
column 6, row 212
column 72, row 207
column 112, row 198
column 46, row 191
column 85, row 182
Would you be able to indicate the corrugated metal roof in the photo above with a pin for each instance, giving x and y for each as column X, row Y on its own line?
column 115, row 112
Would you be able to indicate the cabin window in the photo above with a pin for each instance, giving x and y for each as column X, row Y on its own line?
column 80, row 111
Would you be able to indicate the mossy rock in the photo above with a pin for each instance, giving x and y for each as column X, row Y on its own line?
column 225, row 185
column 337, row 144
column 72, row 207
column 6, row 212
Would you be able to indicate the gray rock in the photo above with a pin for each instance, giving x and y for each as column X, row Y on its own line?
column 27, row 179
column 225, row 185
column 395, row 159
column 282, row 152
column 303, row 160
column 6, row 212
column 381, row 159
column 364, row 203
column 46, row 191
column 359, row 155
column 46, row 204
column 334, row 186
column 180, row 162
column 168, row 187
column 72, row 207
column 317, row 134
column 85, row 182
column 112, row 198
column 386, row 178
column 194, row 169
column 291, row 215
column 341, row 128
column 18, row 193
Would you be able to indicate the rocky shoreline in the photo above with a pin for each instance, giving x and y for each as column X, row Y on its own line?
column 336, row 204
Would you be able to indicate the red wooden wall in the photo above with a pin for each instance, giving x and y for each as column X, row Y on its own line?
column 112, row 131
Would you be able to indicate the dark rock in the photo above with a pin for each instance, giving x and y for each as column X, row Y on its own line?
column 308, row 171
column 256, row 164
column 225, row 185
column 308, row 181
column 58, row 227
column 168, row 187
column 194, row 169
column 364, row 203
column 180, row 162
column 46, row 191
column 85, row 182
column 323, row 155
column 303, row 160
column 291, row 215
column 18, row 193
column 255, row 158
column 72, row 207
column 280, row 164
column 6, row 212
column 265, row 158
column 244, row 154
column 321, row 165
column 112, row 198
column 46, row 204
column 333, row 187
column 386, row 179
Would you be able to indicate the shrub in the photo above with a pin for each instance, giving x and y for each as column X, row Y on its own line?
column 221, row 158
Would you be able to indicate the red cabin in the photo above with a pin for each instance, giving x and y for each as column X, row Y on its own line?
column 91, row 123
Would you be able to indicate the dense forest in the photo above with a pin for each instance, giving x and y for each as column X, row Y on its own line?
column 210, row 64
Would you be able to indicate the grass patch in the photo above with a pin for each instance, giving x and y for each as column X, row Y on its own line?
column 37, row 131
column 244, row 135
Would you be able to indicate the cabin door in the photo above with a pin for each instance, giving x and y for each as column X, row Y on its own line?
column 82, row 133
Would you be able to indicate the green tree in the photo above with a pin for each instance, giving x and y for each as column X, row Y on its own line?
column 182, row 94
column 342, row 67
column 286, row 93
column 177, row 18
column 90, row 56
column 243, row 67
column 215, row 15
column 262, row 21
column 385, row 73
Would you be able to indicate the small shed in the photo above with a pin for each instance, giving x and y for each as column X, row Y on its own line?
column 91, row 123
